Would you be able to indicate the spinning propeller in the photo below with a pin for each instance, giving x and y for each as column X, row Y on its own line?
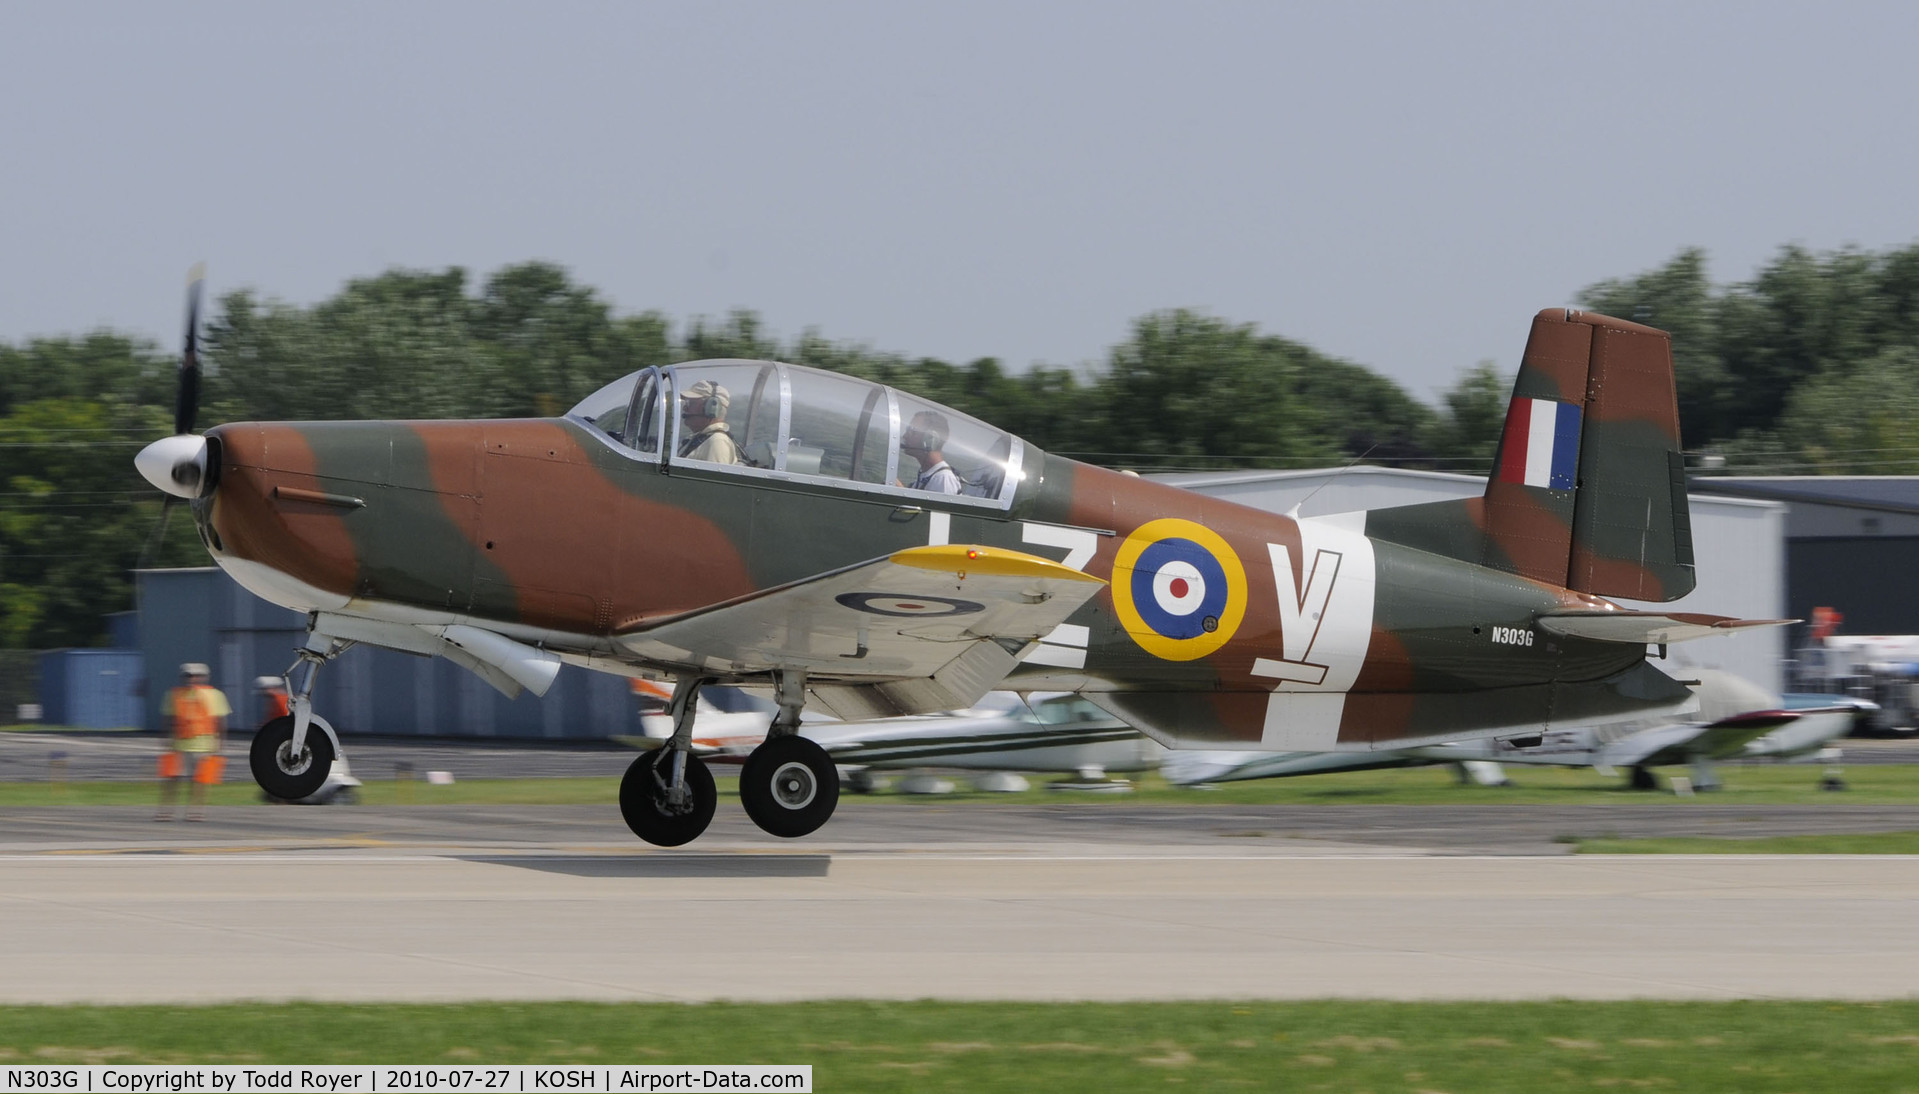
column 178, row 464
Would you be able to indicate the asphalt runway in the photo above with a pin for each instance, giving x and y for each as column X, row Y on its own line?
column 959, row 901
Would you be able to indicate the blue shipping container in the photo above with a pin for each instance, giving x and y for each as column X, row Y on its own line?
column 92, row 689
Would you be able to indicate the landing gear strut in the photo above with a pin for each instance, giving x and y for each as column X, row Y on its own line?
column 789, row 785
column 667, row 796
column 288, row 761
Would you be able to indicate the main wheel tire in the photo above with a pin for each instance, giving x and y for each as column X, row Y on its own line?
column 644, row 804
column 789, row 786
column 281, row 773
column 1642, row 779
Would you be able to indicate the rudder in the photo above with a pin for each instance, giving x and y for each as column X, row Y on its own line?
column 1588, row 487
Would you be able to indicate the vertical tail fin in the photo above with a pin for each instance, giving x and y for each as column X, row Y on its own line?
column 1588, row 489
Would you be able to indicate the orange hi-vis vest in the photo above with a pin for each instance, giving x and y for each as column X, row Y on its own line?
column 194, row 723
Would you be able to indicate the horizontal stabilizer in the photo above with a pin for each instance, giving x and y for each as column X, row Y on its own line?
column 1648, row 628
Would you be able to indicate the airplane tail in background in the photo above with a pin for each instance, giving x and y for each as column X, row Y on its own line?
column 1588, row 489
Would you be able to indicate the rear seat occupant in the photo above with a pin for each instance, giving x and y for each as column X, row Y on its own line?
column 923, row 439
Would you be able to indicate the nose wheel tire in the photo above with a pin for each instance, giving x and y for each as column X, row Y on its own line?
column 279, row 770
column 789, row 786
column 650, row 808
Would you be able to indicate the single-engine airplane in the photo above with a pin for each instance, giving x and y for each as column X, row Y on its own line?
column 845, row 543
column 1737, row 720
column 1002, row 733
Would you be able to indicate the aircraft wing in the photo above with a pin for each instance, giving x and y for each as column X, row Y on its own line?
column 1189, row 767
column 931, row 744
column 1648, row 628
column 1691, row 741
column 922, row 630
column 1816, row 728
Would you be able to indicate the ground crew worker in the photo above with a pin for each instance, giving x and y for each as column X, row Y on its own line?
column 197, row 720
column 273, row 697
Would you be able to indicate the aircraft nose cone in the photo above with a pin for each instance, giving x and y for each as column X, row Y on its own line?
column 176, row 464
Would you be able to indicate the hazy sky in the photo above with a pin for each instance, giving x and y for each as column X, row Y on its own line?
column 1402, row 185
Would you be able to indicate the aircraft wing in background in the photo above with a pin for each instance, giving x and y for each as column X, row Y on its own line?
column 1691, row 742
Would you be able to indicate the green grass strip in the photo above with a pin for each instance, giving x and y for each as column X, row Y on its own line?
column 920, row 1046
column 1844, row 843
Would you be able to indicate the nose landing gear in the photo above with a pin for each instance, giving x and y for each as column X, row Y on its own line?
column 667, row 796
column 289, row 761
column 280, row 769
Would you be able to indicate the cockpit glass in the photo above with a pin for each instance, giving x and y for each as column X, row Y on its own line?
column 729, row 412
column 805, row 422
column 606, row 408
column 947, row 452
column 841, row 427
column 646, row 414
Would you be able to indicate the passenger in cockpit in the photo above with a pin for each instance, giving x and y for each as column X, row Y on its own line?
column 703, row 429
column 925, row 436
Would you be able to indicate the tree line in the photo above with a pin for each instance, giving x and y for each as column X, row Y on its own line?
column 1813, row 366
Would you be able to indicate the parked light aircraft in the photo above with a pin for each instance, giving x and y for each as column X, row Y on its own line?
column 1052, row 733
column 1738, row 721
column 841, row 542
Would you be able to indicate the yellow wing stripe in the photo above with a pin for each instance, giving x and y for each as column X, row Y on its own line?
column 987, row 562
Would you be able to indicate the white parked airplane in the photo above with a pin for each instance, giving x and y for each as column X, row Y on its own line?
column 1736, row 720
column 1047, row 733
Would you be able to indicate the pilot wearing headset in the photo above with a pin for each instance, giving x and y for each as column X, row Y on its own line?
column 703, row 431
column 923, row 440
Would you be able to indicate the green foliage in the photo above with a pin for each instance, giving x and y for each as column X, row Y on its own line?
column 1742, row 354
column 413, row 344
column 1191, row 390
column 1465, row 435
column 1862, row 420
column 101, row 364
column 75, row 516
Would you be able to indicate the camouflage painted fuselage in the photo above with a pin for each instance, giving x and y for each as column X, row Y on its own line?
column 1304, row 633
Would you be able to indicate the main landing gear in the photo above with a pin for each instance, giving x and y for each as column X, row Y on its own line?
column 293, row 754
column 667, row 796
column 789, row 785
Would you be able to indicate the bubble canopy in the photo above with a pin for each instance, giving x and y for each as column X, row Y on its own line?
column 789, row 421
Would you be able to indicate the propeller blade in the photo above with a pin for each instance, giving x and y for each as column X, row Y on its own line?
column 158, row 534
column 187, row 400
